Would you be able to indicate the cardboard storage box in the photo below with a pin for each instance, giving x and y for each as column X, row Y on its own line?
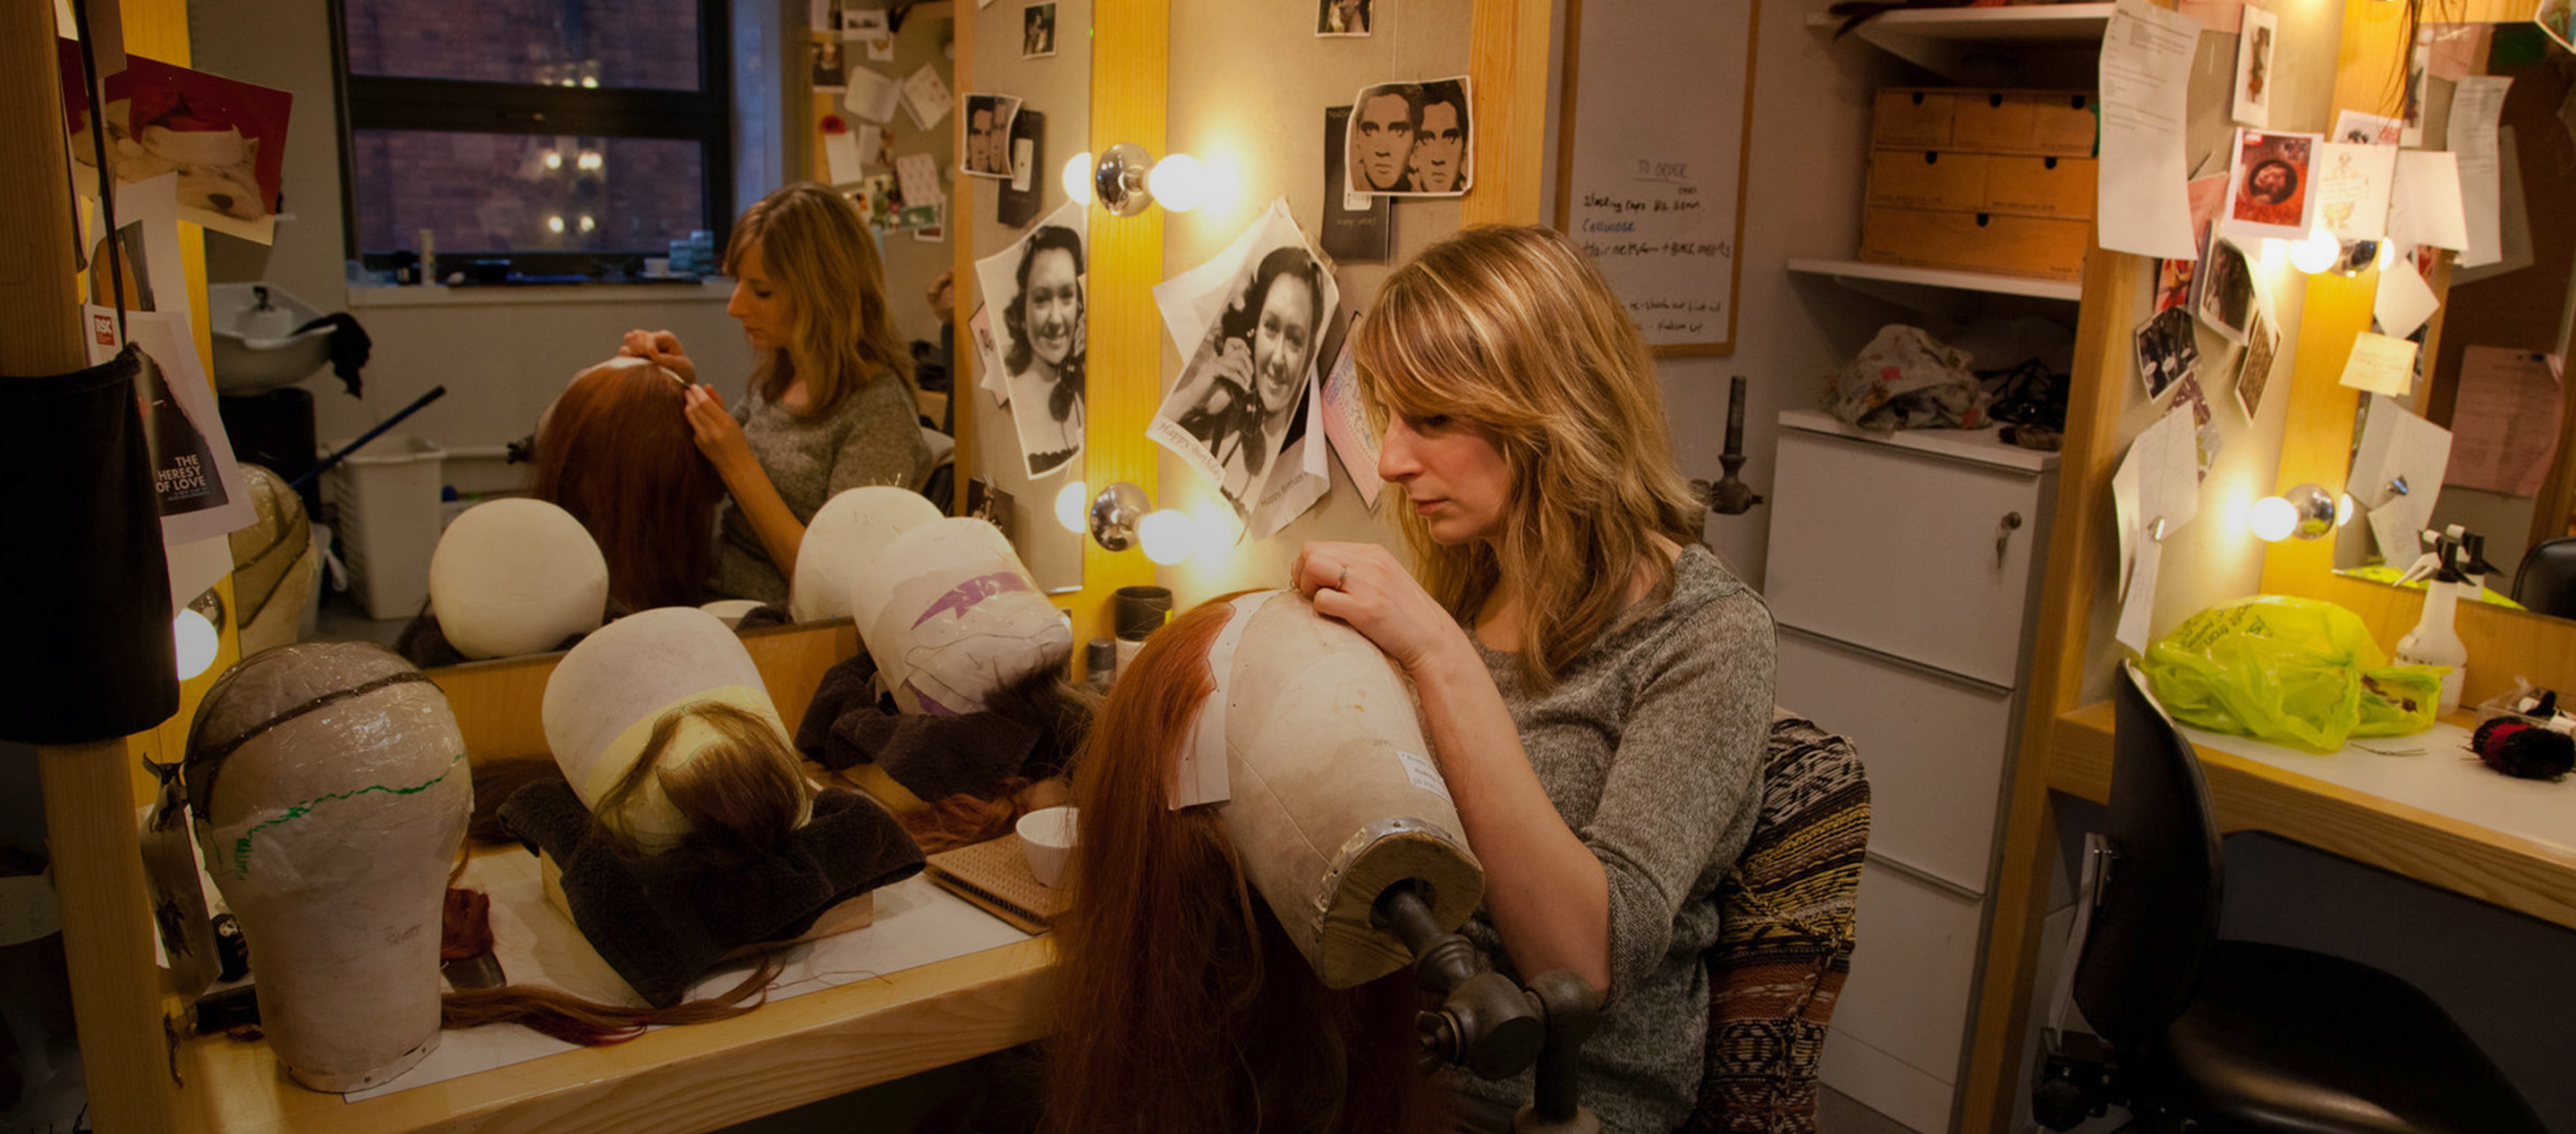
column 1985, row 183
column 1911, row 118
column 2046, row 247
column 2044, row 123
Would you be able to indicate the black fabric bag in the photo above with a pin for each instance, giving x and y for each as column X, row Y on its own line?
column 85, row 568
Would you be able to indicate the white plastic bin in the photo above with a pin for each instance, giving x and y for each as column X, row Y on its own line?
column 387, row 499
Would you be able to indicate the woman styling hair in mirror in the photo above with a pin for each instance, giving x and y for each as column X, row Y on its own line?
column 615, row 451
column 831, row 403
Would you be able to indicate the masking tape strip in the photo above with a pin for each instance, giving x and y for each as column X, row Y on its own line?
column 1201, row 775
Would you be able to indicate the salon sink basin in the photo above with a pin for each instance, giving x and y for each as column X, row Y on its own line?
column 257, row 347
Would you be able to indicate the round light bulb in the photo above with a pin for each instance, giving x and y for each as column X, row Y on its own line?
column 1167, row 535
column 554, row 224
column 589, row 223
column 1077, row 177
column 1073, row 507
column 2343, row 509
column 2387, row 253
column 2273, row 519
column 1179, row 181
column 2317, row 253
column 197, row 640
column 554, row 159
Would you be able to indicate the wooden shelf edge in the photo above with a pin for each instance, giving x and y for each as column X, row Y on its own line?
column 1947, row 279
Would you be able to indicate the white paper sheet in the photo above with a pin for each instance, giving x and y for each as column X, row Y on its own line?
column 2145, row 75
column 2139, row 603
column 2476, row 106
column 926, row 97
column 917, row 923
column 2424, row 203
column 2380, row 364
column 2352, row 189
column 841, row 157
column 2405, row 301
column 2505, row 423
column 2396, row 445
column 2159, row 479
column 871, row 95
column 2257, row 34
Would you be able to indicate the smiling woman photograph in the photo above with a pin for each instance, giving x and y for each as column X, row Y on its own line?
column 1597, row 686
column 1044, row 355
column 1239, row 397
column 830, row 404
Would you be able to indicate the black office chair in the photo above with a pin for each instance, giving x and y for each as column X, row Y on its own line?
column 2218, row 1035
column 2546, row 581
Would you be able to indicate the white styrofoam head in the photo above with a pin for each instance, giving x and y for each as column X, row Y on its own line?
column 516, row 576
column 603, row 698
column 847, row 534
column 950, row 615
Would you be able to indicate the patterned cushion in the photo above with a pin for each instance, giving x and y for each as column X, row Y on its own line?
column 1784, row 948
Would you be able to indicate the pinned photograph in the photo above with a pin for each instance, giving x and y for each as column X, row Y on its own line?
column 1037, row 285
column 2168, row 350
column 2254, row 67
column 866, row 24
column 2254, row 365
column 2268, row 184
column 2353, row 127
column 2205, row 436
column 1253, row 321
column 986, row 151
column 1343, row 17
column 2225, row 296
column 226, row 140
column 1358, row 228
column 1411, row 140
column 1037, row 30
column 830, row 73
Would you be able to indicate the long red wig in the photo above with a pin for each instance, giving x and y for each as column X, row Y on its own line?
column 615, row 451
column 1182, row 1006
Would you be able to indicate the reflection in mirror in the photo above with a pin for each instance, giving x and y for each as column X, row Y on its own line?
column 2494, row 366
column 1022, row 313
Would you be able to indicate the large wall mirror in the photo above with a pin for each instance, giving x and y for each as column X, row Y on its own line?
column 2494, row 367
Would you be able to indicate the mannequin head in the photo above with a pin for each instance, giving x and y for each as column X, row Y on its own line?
column 950, row 616
column 330, row 790
column 1185, row 1004
column 274, row 565
column 846, row 535
column 664, row 729
column 516, row 576
column 615, row 451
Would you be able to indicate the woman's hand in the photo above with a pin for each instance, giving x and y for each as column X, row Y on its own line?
column 664, row 349
column 1230, row 362
column 718, row 435
column 1362, row 584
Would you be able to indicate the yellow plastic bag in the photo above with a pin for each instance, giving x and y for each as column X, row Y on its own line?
column 2293, row 671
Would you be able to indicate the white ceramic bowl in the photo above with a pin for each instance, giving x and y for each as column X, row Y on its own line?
column 1046, row 836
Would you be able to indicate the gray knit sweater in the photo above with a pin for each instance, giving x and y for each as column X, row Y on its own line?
column 1650, row 745
column 872, row 437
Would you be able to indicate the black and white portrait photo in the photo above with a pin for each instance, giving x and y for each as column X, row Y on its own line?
column 1239, row 412
column 1411, row 139
column 1038, row 287
column 830, row 74
column 986, row 150
column 1037, row 31
column 1343, row 17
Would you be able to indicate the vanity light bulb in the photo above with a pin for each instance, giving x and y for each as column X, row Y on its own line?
column 554, row 224
column 2343, row 509
column 2387, row 253
column 2317, row 253
column 1218, row 529
column 554, row 159
column 1073, row 507
column 2273, row 519
column 588, row 222
column 197, row 640
column 1167, row 536
column 1077, row 179
column 1179, row 181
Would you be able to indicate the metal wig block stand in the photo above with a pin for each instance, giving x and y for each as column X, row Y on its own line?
column 1493, row 1027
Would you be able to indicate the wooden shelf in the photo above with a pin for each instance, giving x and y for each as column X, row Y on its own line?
column 1937, row 39
column 1910, row 284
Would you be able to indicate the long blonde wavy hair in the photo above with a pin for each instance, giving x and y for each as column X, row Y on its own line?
column 817, row 247
column 1513, row 331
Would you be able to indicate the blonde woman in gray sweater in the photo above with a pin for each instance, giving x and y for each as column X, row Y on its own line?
column 1596, row 683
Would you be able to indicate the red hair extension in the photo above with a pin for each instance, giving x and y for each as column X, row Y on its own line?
column 616, row 452
column 964, row 819
column 1181, row 1005
column 570, row 1018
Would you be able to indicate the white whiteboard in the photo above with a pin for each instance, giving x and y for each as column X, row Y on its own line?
column 1650, row 162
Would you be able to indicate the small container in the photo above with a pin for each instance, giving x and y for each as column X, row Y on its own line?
column 1139, row 611
column 1046, row 837
column 1100, row 663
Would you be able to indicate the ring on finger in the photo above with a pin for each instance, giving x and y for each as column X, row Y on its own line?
column 1343, row 583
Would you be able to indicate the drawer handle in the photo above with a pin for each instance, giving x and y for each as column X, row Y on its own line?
column 2048, row 163
column 2003, row 536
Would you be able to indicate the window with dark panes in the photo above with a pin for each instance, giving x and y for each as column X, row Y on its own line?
column 544, row 137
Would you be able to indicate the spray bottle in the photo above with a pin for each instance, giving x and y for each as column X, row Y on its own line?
column 2455, row 566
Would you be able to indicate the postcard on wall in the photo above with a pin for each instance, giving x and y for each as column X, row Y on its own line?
column 225, row 140
column 2380, row 364
column 1411, row 140
column 986, row 152
column 866, row 23
column 919, row 176
column 843, row 161
column 2424, row 203
column 1037, row 30
column 2168, row 350
column 2225, row 290
column 2174, row 278
column 2457, row 49
column 831, row 71
column 1344, row 17
column 1358, row 228
column 2254, row 365
column 1038, row 285
column 2404, row 301
column 2353, row 182
column 2145, row 76
column 2356, row 128
column 2270, row 185
column 926, row 97
column 1347, row 424
column 1252, row 321
column 872, row 95
column 2254, row 67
